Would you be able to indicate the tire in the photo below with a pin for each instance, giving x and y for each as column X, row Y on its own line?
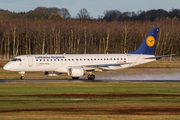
column 75, row 78
column 91, row 77
column 22, row 77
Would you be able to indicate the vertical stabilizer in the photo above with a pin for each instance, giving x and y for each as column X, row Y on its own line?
column 148, row 45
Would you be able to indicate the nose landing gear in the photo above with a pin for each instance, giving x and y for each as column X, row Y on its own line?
column 22, row 75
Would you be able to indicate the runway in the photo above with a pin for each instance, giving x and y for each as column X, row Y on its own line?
column 81, row 81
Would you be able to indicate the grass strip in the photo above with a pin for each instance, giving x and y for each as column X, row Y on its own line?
column 53, row 88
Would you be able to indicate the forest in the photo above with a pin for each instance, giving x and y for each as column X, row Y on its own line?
column 57, row 33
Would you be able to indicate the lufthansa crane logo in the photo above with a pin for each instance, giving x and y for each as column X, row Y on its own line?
column 150, row 41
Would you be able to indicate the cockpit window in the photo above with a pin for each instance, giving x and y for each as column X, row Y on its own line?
column 16, row 59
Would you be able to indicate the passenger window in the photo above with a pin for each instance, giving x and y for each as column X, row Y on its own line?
column 114, row 58
column 68, row 59
column 121, row 58
column 51, row 59
column 110, row 58
column 43, row 59
column 88, row 59
column 61, row 59
column 76, row 59
column 64, row 59
column 72, row 59
column 107, row 58
column 84, row 59
column 94, row 59
column 91, row 59
column 47, row 59
column 117, row 58
column 58, row 59
column 124, row 58
column 104, row 58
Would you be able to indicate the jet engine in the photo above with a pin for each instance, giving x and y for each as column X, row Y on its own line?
column 76, row 72
column 51, row 73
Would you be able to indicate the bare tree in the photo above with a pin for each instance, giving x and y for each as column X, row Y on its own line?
column 65, row 13
column 83, row 14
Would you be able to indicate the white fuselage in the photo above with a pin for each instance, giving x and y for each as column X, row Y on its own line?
column 62, row 62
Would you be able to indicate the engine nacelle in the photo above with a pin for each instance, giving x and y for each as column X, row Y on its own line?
column 76, row 72
column 51, row 73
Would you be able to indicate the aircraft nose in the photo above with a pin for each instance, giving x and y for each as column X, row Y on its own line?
column 7, row 67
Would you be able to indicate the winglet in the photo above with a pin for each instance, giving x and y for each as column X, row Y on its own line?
column 148, row 45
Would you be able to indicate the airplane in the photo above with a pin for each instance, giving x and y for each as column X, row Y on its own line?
column 78, row 65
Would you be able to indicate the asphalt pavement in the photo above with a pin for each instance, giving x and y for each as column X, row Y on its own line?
column 79, row 81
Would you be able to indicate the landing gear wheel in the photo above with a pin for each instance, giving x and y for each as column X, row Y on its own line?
column 88, row 77
column 91, row 77
column 75, row 78
column 22, row 77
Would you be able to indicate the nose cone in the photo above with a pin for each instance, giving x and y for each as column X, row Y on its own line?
column 7, row 67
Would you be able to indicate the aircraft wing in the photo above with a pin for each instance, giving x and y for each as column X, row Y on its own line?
column 106, row 65
column 98, row 67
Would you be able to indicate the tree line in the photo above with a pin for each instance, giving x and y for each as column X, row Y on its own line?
column 73, row 36
column 140, row 15
column 44, row 13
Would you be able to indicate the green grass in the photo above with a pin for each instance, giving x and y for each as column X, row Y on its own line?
column 87, row 108
column 25, row 106
column 43, row 88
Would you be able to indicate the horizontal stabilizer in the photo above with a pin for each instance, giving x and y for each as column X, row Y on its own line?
column 157, row 57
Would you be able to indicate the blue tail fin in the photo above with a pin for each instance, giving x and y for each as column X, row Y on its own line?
column 148, row 45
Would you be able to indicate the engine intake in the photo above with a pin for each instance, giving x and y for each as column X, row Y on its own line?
column 76, row 72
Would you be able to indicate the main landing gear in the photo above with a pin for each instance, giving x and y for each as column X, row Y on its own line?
column 75, row 78
column 91, row 77
column 22, row 75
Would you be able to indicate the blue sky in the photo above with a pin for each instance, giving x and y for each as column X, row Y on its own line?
column 94, row 7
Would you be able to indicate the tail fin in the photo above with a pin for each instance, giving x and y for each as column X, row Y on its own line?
column 148, row 45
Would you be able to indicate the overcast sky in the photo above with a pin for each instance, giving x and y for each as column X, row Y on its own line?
column 94, row 7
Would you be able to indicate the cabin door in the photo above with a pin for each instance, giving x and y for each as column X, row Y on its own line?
column 129, row 58
column 30, row 61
